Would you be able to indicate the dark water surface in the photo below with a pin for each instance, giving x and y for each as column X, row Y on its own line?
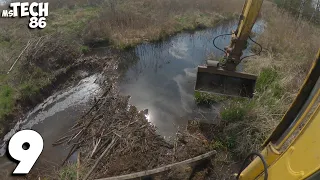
column 163, row 79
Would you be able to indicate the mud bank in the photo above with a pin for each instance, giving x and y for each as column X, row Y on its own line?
column 62, row 78
column 57, row 113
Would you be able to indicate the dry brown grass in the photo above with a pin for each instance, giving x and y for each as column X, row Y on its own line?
column 292, row 45
column 130, row 22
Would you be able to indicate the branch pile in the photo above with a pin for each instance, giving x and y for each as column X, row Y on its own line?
column 114, row 139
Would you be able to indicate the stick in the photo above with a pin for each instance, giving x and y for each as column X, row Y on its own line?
column 95, row 148
column 160, row 169
column 28, row 44
column 60, row 141
column 96, row 103
column 35, row 46
column 85, row 126
column 101, row 156
column 103, row 145
column 93, row 118
column 74, row 136
column 78, row 166
column 72, row 150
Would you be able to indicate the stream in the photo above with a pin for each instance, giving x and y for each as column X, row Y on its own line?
column 162, row 80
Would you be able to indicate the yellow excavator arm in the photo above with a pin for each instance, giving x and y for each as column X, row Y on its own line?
column 248, row 17
column 221, row 77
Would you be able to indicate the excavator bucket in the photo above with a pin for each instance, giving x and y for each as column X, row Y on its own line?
column 229, row 83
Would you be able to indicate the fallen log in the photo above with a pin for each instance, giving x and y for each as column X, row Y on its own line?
column 160, row 169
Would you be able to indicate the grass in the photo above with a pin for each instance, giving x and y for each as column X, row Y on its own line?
column 31, row 86
column 129, row 23
column 207, row 98
column 234, row 113
column 217, row 145
column 266, row 78
column 6, row 100
column 68, row 172
column 84, row 49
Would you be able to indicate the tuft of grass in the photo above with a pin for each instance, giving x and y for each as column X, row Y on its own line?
column 224, row 142
column 28, row 90
column 84, row 49
column 6, row 100
column 32, row 85
column 217, row 145
column 208, row 98
column 235, row 110
column 266, row 78
column 230, row 141
column 233, row 114
column 68, row 172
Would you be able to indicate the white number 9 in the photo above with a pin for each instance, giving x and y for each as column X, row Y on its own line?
column 25, row 146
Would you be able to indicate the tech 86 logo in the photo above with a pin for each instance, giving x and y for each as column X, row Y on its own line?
column 36, row 11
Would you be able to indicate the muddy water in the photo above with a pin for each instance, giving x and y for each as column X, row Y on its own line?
column 52, row 118
column 163, row 79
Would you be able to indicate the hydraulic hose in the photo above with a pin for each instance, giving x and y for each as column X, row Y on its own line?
column 263, row 162
column 217, row 38
column 226, row 52
column 254, row 54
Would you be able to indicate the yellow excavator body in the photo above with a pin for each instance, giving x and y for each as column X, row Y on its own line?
column 292, row 152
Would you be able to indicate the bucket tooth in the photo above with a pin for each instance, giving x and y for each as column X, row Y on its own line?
column 216, row 80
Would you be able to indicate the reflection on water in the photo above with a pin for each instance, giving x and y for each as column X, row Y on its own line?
column 163, row 79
